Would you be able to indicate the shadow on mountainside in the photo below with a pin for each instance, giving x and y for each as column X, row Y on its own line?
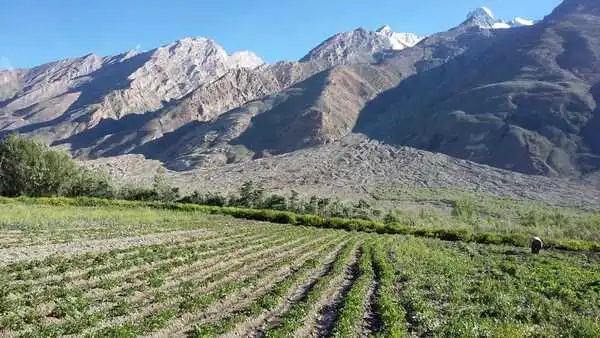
column 108, row 78
column 525, row 103
column 289, row 120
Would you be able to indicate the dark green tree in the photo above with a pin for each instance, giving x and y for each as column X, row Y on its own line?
column 31, row 168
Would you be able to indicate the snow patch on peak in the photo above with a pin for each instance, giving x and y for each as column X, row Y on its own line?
column 399, row 41
column 484, row 18
column 501, row 25
column 488, row 12
column 518, row 21
column 245, row 59
column 481, row 12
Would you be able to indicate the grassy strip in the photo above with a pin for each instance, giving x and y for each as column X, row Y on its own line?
column 353, row 308
column 460, row 290
column 393, row 315
column 284, row 217
column 293, row 319
column 266, row 302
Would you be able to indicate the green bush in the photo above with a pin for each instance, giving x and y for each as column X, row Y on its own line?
column 92, row 183
column 464, row 208
column 31, row 168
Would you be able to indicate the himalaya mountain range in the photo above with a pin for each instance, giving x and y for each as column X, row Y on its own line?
column 516, row 94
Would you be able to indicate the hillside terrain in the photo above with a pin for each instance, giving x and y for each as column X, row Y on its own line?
column 512, row 94
column 526, row 102
column 356, row 168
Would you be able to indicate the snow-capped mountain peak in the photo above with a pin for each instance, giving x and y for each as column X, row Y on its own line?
column 245, row 59
column 484, row 18
column 518, row 21
column 360, row 45
column 399, row 41
column 481, row 12
column 385, row 30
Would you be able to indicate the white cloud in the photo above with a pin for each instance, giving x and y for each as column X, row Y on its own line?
column 138, row 47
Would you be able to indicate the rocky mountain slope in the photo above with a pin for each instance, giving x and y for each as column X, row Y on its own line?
column 63, row 98
column 525, row 102
column 360, row 46
column 512, row 94
column 356, row 167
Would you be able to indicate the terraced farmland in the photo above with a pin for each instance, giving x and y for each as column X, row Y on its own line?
column 125, row 272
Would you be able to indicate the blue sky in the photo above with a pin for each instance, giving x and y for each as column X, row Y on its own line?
column 37, row 31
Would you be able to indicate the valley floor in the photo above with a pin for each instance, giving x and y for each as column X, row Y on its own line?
column 125, row 272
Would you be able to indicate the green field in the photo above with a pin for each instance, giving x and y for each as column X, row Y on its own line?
column 110, row 271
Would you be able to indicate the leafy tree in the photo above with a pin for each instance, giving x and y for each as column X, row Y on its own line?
column 215, row 199
column 31, row 168
column 295, row 204
column 251, row 195
column 275, row 202
column 163, row 190
column 92, row 183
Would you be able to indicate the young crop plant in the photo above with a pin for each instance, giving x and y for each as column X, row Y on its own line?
column 392, row 314
column 267, row 302
column 349, row 320
column 293, row 319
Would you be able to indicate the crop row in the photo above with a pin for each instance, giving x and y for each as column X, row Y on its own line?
column 78, row 313
column 350, row 318
column 293, row 319
column 196, row 296
column 269, row 301
column 73, row 299
column 56, row 291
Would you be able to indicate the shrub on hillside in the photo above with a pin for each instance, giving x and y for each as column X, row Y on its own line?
column 251, row 195
column 160, row 191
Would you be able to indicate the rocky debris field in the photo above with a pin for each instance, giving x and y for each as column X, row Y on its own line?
column 358, row 168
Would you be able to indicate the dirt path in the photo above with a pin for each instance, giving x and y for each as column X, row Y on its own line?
column 371, row 321
column 37, row 252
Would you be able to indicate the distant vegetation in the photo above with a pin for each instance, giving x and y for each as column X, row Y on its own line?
column 31, row 169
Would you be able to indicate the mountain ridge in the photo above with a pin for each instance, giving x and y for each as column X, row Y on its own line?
column 191, row 104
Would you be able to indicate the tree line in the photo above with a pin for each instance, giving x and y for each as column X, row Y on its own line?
column 31, row 168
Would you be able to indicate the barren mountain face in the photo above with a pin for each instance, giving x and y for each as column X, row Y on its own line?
column 506, row 93
column 527, row 101
column 64, row 98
